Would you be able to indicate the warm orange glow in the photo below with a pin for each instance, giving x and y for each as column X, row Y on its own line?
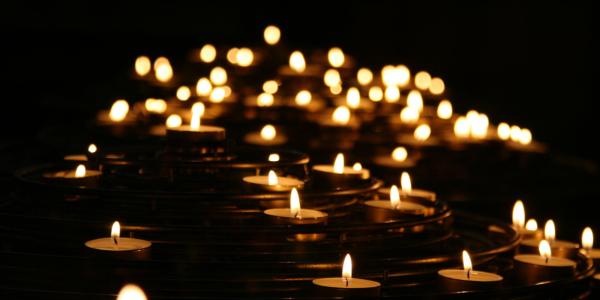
column 338, row 164
column 353, row 98
column 341, row 115
column 437, row 86
column 403, row 75
column 399, row 154
column 297, row 62
column 272, row 34
column 550, row 231
column 518, row 215
column 183, row 93
column 479, row 125
column 303, row 98
column 80, row 171
column 162, row 69
column 444, row 110
column 119, row 110
column 414, row 99
column 525, row 137
column 409, row 115
column 394, row 197
column 295, row 208
column 388, row 76
column 115, row 232
column 174, row 121
column 336, row 57
column 217, row 95
column 587, row 239
column 503, row 131
column 422, row 132
column 226, row 90
column 405, row 183
column 268, row 132
column 515, row 133
column 208, row 53
column 531, row 225
column 155, row 105
column 375, row 94
column 332, row 78
column 131, row 292
column 142, row 65
column 244, row 57
column 272, row 178
column 197, row 112
column 467, row 264
column 265, row 99
column 347, row 268
column 203, row 87
column 364, row 76
column 92, row 148
column 422, row 80
column 462, row 127
column 273, row 157
column 218, row 76
column 392, row 94
column 232, row 55
column 357, row 166
column 545, row 250
column 270, row 86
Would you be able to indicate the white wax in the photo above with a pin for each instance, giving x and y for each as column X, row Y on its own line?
column 346, row 170
column 405, row 206
column 474, row 276
column 287, row 213
column 284, row 183
column 125, row 244
column 340, row 283
column 541, row 261
column 254, row 138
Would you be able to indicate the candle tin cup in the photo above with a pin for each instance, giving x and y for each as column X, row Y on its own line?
column 456, row 280
column 355, row 288
column 413, row 194
column 127, row 248
column 324, row 176
column 532, row 268
column 67, row 177
column 284, row 216
column 254, row 138
column 205, row 133
column 381, row 211
column 559, row 248
column 284, row 184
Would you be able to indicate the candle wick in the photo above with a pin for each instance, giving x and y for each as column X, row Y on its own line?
column 547, row 259
column 115, row 240
column 469, row 274
column 347, row 281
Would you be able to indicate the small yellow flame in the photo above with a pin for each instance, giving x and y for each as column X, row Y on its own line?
column 388, row 76
column 444, row 110
column 422, row 80
column 479, row 126
column 295, row 209
column 531, row 225
column 115, row 232
column 392, row 94
column 155, row 105
column 341, row 115
column 375, row 94
column 232, row 55
column 338, row 164
column 525, row 137
column 203, row 87
column 414, row 99
column 437, row 86
column 119, row 110
column 162, row 69
column 80, row 171
column 174, row 121
column 297, row 62
column 272, row 34
column 550, row 231
column 197, row 112
column 394, row 197
column 364, row 76
column 244, row 57
column 347, row 268
column 208, row 53
column 503, row 131
column 303, row 98
column 518, row 214
column 217, row 95
column 422, row 132
column 270, row 86
column 332, row 78
column 272, row 178
column 409, row 115
column 336, row 89
column 545, row 249
column 131, row 292
column 515, row 133
column 587, row 239
column 353, row 98
column 399, row 154
column 462, row 128
column 183, row 93
column 273, row 157
column 357, row 166
column 142, row 65
column 336, row 57
column 265, row 99
column 405, row 183
column 268, row 132
column 467, row 264
column 92, row 148
column 218, row 76
column 403, row 75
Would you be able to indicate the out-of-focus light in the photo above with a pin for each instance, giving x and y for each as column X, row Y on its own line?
column 244, row 57
column 270, row 86
column 437, row 86
column 183, row 93
column 142, row 65
column 208, row 53
column 272, row 34
column 375, row 94
column 364, row 76
column 297, row 62
column 218, row 76
column 422, row 80
column 203, row 87
column 444, row 110
column 336, row 57
column 392, row 94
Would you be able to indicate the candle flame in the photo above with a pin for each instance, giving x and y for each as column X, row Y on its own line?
column 545, row 250
column 364, row 76
column 80, row 171
column 479, row 125
column 131, row 292
column 119, row 110
column 525, row 137
column 265, row 99
column 518, row 214
column 295, row 203
column 338, row 164
column 208, row 53
column 403, row 75
column 174, row 121
column 587, row 239
column 218, row 76
column 347, row 267
column 244, row 57
column 375, row 93
column 336, row 89
column 336, row 57
column 303, row 98
column 297, row 62
column 270, row 86
column 232, row 55
column 142, row 65
column 272, row 34
column 332, row 78
column 437, row 86
column 550, row 231
column 462, row 127
column 531, row 225
column 394, row 197
column 197, row 112
column 183, row 93
column 341, row 115
column 392, row 94
column 268, row 132
column 155, row 105
column 218, row 94
column 92, row 148
column 409, row 115
column 405, row 183
column 515, row 133
column 115, row 232
column 399, row 154
column 503, row 131
column 272, row 179
column 353, row 98
column 203, row 87
column 414, row 99
column 422, row 80
column 162, row 69
column 467, row 264
column 357, row 166
column 422, row 132
column 444, row 110
column 274, row 157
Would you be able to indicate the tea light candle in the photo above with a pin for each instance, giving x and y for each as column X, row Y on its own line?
column 381, row 211
column 91, row 156
column 559, row 248
column 408, row 191
column 587, row 244
column 529, row 230
column 295, row 214
column 467, row 278
column 80, row 176
column 273, row 183
column 532, row 268
column 116, row 243
column 398, row 159
column 267, row 136
column 195, row 132
column 338, row 175
column 131, row 292
column 347, row 286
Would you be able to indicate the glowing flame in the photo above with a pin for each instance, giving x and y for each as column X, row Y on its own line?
column 92, row 148
column 232, row 55
column 353, row 98
column 550, row 231
column 336, row 57
column 388, row 75
column 399, row 154
column 131, row 292
column 444, row 110
column 392, row 94
column 414, row 99
column 268, row 132
column 272, row 179
column 80, row 171
column 479, row 126
column 375, row 94
column 155, row 105
column 203, row 87
column 197, row 112
column 347, row 268
column 437, row 86
column 297, row 62
column 364, row 76
column 295, row 203
column 217, row 95
column 218, row 76
column 587, row 239
column 162, row 69
column 409, row 115
column 341, row 115
column 422, row 80
column 403, row 75
column 273, row 157
column 422, row 132
column 503, row 131
column 525, row 137
column 265, row 99
column 462, row 127
column 142, row 65
column 119, row 110
column 208, row 53
column 244, row 57
column 336, row 89
column 405, row 183
column 303, row 98
column 183, row 93
column 174, row 121
column 515, row 133
column 545, row 250
column 270, row 86
column 467, row 264
column 357, row 167
column 115, row 232
column 332, row 78
column 518, row 214
column 338, row 164
column 531, row 225
column 394, row 197
column 272, row 34
column 226, row 91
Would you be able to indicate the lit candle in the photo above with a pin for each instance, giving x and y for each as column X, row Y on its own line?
column 397, row 159
column 295, row 214
column 78, row 177
column 272, row 34
column 381, row 211
column 273, row 183
column 208, row 53
column 336, row 57
column 195, row 132
column 267, row 136
column 559, row 248
column 534, row 268
column 142, row 65
column 587, row 244
column 408, row 191
column 529, row 230
column 117, row 244
column 131, row 292
column 163, row 72
column 338, row 175
column 91, row 156
column 467, row 278
column 347, row 286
